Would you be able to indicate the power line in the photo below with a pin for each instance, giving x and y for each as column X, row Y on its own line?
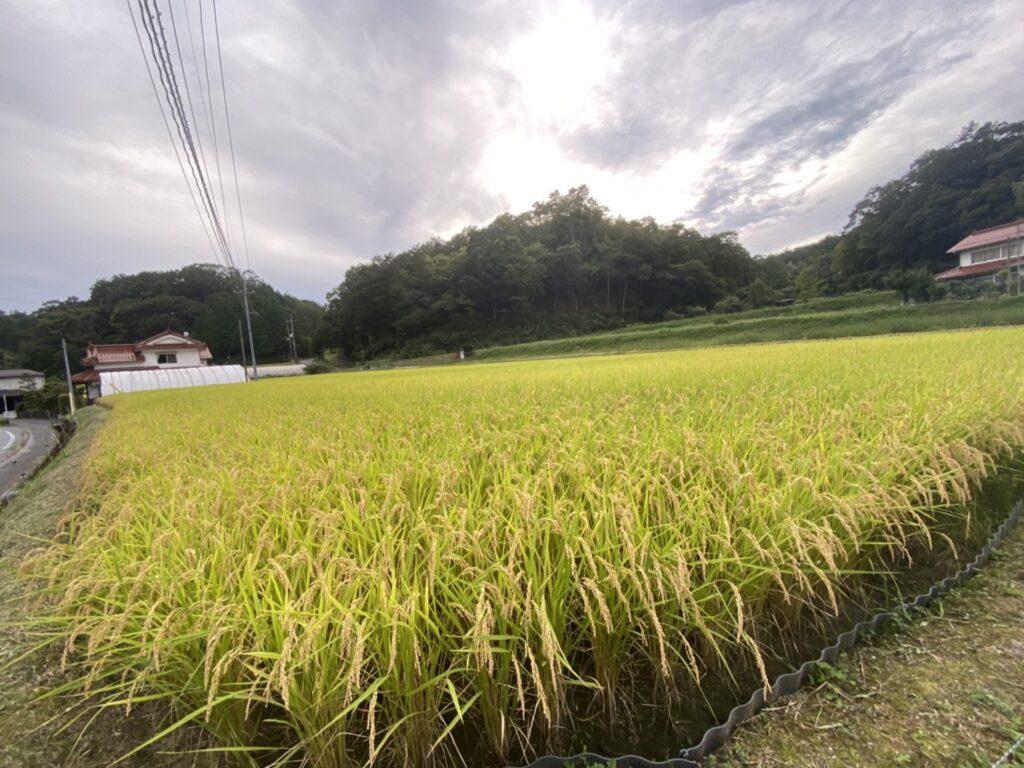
column 175, row 115
column 209, row 99
column 161, row 53
column 152, row 23
column 170, row 136
column 191, row 109
column 207, row 105
column 231, row 143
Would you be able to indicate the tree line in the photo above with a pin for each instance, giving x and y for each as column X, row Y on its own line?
column 202, row 299
column 898, row 234
column 563, row 267
column 567, row 267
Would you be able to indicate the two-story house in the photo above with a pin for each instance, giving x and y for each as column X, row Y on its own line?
column 986, row 252
column 168, row 349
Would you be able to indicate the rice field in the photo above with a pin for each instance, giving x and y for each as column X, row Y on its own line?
column 395, row 567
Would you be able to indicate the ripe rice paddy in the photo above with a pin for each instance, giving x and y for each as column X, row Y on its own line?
column 402, row 566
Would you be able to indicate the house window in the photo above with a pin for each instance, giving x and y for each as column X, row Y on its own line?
column 167, row 358
column 987, row 254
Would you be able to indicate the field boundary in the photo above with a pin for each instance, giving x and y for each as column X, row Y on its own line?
column 790, row 682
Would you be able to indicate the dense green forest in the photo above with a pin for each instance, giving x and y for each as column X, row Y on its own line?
column 563, row 268
column 202, row 299
column 567, row 267
column 906, row 225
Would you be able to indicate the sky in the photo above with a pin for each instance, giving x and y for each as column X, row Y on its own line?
column 361, row 128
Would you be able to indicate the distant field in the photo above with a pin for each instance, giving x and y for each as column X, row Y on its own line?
column 866, row 314
column 406, row 565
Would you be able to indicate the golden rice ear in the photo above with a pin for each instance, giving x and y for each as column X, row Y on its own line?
column 391, row 562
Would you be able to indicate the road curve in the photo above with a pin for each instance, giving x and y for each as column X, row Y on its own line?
column 23, row 445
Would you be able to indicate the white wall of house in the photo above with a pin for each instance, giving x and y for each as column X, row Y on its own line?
column 19, row 382
column 1010, row 250
column 183, row 358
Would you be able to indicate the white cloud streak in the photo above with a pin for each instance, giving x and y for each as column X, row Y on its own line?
column 363, row 128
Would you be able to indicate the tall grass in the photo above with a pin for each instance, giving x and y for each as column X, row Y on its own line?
column 363, row 567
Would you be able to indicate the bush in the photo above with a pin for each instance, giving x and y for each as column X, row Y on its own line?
column 318, row 366
column 729, row 304
column 46, row 398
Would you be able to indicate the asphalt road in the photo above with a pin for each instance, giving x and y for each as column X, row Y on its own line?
column 23, row 444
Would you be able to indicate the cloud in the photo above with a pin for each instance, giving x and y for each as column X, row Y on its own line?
column 364, row 128
column 773, row 87
column 356, row 129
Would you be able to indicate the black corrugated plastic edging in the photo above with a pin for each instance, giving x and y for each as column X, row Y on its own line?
column 791, row 682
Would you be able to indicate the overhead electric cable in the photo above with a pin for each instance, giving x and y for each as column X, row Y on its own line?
column 222, row 212
column 219, row 221
column 177, row 114
column 170, row 136
column 231, row 143
column 162, row 47
column 209, row 98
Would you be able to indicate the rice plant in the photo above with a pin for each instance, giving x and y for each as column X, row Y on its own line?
column 393, row 567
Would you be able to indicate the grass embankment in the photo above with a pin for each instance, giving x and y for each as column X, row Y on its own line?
column 859, row 315
column 366, row 565
column 945, row 690
column 34, row 728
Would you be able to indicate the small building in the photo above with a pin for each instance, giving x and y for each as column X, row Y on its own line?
column 986, row 252
column 166, row 350
column 15, row 383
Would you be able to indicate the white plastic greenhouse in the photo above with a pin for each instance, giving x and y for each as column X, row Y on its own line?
column 118, row 382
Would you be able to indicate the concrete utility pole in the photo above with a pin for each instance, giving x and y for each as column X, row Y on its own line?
column 248, row 324
column 241, row 342
column 290, row 326
column 67, row 372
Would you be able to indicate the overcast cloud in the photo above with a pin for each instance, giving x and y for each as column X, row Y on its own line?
column 362, row 128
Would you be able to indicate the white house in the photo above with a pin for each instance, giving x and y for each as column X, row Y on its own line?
column 15, row 383
column 986, row 252
column 168, row 349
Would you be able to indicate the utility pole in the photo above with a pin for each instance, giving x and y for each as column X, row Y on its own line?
column 241, row 342
column 290, row 326
column 248, row 324
column 67, row 372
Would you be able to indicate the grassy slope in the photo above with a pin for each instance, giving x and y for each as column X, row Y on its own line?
column 32, row 730
column 946, row 690
column 860, row 315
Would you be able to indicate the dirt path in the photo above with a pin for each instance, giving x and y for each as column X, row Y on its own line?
column 947, row 690
column 32, row 731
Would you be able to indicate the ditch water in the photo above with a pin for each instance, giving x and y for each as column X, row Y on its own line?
column 650, row 723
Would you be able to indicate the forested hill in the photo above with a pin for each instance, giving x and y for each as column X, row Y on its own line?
column 202, row 299
column 562, row 268
column 567, row 267
column 909, row 223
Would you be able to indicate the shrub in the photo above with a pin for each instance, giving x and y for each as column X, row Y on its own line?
column 729, row 304
column 318, row 366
